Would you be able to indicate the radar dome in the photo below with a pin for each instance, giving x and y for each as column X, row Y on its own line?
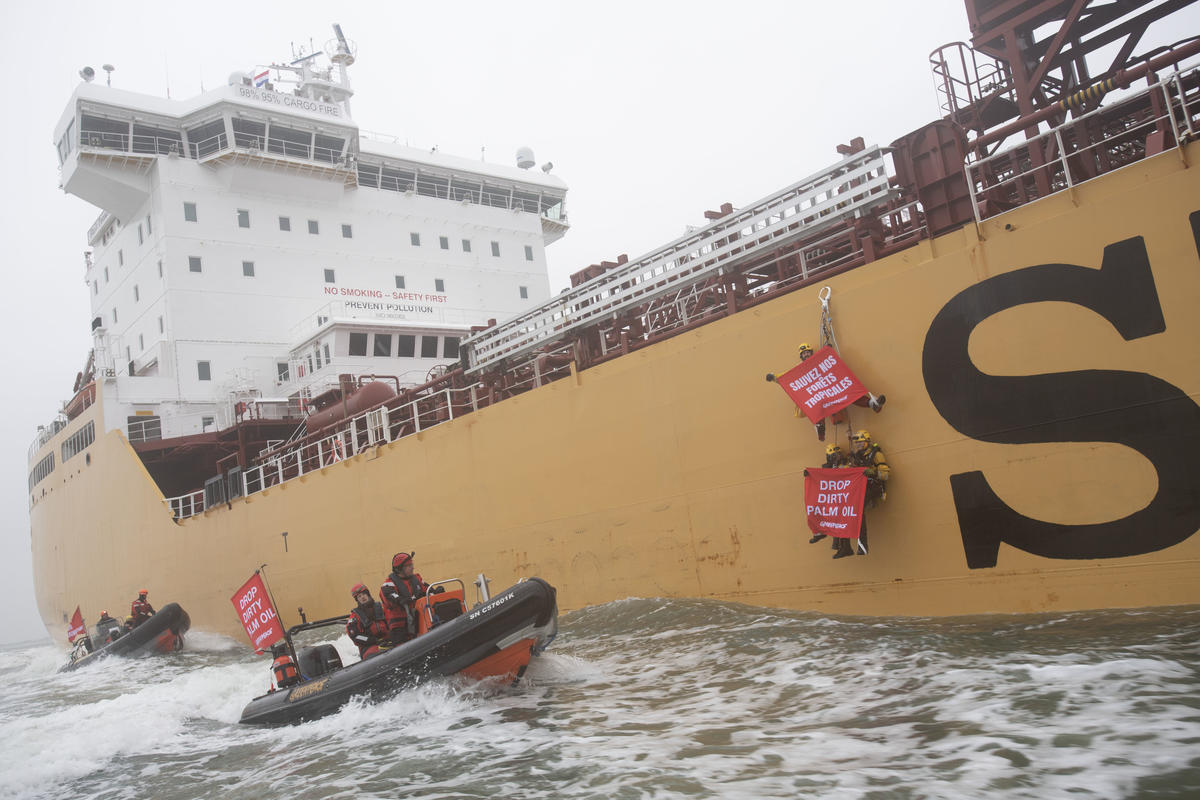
column 525, row 158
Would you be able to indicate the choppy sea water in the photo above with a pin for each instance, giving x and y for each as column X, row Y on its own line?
column 653, row 699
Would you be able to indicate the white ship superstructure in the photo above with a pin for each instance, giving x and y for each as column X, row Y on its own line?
column 254, row 245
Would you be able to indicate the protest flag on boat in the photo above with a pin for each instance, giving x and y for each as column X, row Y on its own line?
column 833, row 500
column 76, row 628
column 257, row 614
column 821, row 385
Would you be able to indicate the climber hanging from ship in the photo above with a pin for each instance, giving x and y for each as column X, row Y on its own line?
column 837, row 493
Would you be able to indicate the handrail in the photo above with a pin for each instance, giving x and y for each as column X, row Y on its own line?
column 845, row 190
column 1008, row 176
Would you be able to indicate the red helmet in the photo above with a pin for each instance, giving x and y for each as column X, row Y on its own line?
column 399, row 560
column 143, row 592
column 358, row 587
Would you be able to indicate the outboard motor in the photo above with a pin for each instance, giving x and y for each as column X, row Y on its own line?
column 316, row 660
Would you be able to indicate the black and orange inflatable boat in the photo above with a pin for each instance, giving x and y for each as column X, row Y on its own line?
column 495, row 639
column 162, row 633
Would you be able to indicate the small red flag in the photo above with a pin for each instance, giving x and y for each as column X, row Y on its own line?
column 257, row 614
column 834, row 499
column 76, row 628
column 821, row 384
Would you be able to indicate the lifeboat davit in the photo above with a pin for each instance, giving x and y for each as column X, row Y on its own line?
column 496, row 639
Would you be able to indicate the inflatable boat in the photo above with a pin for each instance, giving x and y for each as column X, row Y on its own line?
column 495, row 639
column 162, row 633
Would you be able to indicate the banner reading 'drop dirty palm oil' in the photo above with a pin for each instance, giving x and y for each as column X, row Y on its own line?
column 76, row 628
column 257, row 614
column 821, row 384
column 833, row 500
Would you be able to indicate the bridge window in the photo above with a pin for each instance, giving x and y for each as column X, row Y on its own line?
column 399, row 281
column 290, row 142
column 329, row 277
column 328, row 148
column 249, row 134
column 450, row 347
column 207, row 139
column 204, row 370
column 406, row 345
column 108, row 134
column 439, row 285
column 149, row 139
column 358, row 344
column 383, row 344
column 243, row 218
column 429, row 346
column 189, row 212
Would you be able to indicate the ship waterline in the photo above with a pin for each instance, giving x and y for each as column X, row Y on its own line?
column 676, row 471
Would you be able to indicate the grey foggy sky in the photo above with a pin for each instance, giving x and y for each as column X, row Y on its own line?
column 651, row 112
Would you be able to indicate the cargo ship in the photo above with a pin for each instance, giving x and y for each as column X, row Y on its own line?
column 314, row 347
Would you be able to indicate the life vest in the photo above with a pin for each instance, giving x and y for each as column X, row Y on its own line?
column 141, row 611
column 285, row 671
column 399, row 600
column 366, row 631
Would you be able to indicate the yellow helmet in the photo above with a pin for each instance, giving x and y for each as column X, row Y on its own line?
column 830, row 449
column 804, row 347
column 861, row 436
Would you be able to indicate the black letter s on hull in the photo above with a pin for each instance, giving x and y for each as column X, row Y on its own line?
column 1131, row 408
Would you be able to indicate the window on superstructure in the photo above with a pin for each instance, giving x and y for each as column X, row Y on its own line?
column 243, row 218
column 96, row 287
column 206, row 423
column 129, row 358
column 77, row 442
column 429, row 346
column 106, row 274
column 161, row 327
column 358, row 344
column 160, row 268
column 189, row 212
column 249, row 133
column 120, row 258
column 141, row 343
column 149, row 230
column 466, row 243
column 399, row 281
column 313, row 228
column 114, row 315
column 496, row 249
column 328, row 148
column 204, row 370
column 194, row 264
column 282, row 372
column 137, row 296
column 329, row 278
column 439, row 285
column 285, row 223
column 317, row 354
column 347, row 232
column 450, row 347
column 141, row 238
column 415, row 239
column 524, row 292
column 406, row 345
column 328, row 360
column 444, row 242
column 383, row 344
column 248, row 269
column 41, row 471
column 289, row 142
column 528, row 253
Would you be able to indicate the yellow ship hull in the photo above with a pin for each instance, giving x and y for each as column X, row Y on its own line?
column 677, row 471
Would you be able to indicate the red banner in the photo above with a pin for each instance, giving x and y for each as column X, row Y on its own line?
column 257, row 614
column 833, row 500
column 821, row 385
column 76, row 628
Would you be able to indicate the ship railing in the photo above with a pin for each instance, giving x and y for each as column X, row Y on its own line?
column 374, row 427
column 965, row 76
column 847, row 190
column 1165, row 114
column 130, row 143
column 186, row 505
